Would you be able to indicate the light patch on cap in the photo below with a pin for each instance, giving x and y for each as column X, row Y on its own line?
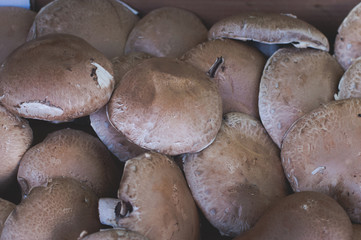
column 104, row 78
column 37, row 109
column 135, row 12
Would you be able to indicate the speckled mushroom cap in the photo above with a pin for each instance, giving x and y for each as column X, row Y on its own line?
column 294, row 82
column 5, row 209
column 356, row 231
column 301, row 216
column 238, row 176
column 166, row 32
column 153, row 199
column 166, row 105
column 70, row 153
column 350, row 83
column 104, row 24
column 15, row 25
column 321, row 152
column 71, row 79
column 269, row 28
column 347, row 45
column 238, row 74
column 15, row 138
column 61, row 209
column 114, row 234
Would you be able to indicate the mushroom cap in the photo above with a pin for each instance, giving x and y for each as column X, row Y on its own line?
column 61, row 209
column 104, row 24
column 71, row 79
column 158, row 200
column 356, row 231
column 269, row 28
column 166, row 32
column 321, row 152
column 70, row 153
column 15, row 138
column 301, row 216
column 294, row 82
column 15, row 25
column 237, row 77
column 5, row 209
column 166, row 105
column 238, row 176
column 347, row 45
column 114, row 234
column 350, row 83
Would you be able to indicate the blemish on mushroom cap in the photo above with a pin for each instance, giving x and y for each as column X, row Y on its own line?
column 39, row 110
column 103, row 77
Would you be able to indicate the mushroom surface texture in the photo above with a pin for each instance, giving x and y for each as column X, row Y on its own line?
column 302, row 216
column 104, row 24
column 166, row 105
column 70, row 153
column 350, row 83
column 153, row 199
column 15, row 25
column 347, row 45
column 269, row 28
column 238, row 176
column 59, row 210
column 5, row 209
column 16, row 137
column 71, row 79
column 356, row 231
column 321, row 152
column 237, row 72
column 166, row 32
column 114, row 234
column 294, row 82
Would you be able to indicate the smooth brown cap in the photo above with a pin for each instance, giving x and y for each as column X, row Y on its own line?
column 294, row 82
column 166, row 105
column 166, row 32
column 5, row 209
column 114, row 234
column 321, row 152
column 70, row 153
column 15, row 25
column 61, row 209
column 56, row 78
column 350, row 83
column 104, row 24
column 237, row 76
column 238, row 176
column 269, row 28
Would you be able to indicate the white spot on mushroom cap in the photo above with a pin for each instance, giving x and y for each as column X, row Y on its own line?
column 319, row 169
column 37, row 109
column 104, row 78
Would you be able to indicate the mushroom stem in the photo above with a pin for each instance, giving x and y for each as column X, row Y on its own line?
column 107, row 213
column 123, row 209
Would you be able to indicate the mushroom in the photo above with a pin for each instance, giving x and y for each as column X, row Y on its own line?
column 153, row 199
column 321, row 152
column 166, row 32
column 356, row 232
column 114, row 234
column 294, row 82
column 60, row 209
column 349, row 85
column 6, row 208
column 238, row 176
column 70, row 153
column 302, row 216
column 71, row 79
column 237, row 74
column 104, row 24
column 15, row 25
column 270, row 28
column 15, row 138
column 166, row 105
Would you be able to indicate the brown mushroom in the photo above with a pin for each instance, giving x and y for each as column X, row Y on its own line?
column 61, row 209
column 321, row 152
column 237, row 74
column 302, row 216
column 238, row 176
column 269, row 28
column 6, row 208
column 294, row 82
column 356, row 232
column 350, row 83
column 104, row 24
column 71, row 79
column 153, row 199
column 166, row 32
column 70, row 153
column 166, row 105
column 114, row 234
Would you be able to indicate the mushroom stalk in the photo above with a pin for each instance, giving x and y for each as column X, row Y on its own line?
column 112, row 209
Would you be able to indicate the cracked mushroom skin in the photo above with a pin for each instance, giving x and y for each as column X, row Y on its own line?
column 237, row 177
column 5, row 209
column 71, row 79
column 61, row 209
column 321, row 152
column 153, row 199
column 302, row 216
column 114, row 234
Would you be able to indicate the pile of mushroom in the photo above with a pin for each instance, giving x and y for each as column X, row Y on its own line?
column 120, row 126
